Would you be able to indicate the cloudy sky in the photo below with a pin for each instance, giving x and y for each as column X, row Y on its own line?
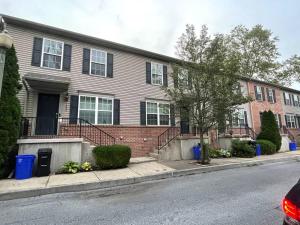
column 155, row 25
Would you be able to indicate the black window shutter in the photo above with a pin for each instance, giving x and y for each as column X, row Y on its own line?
column 286, row 122
column 291, row 99
column 172, row 115
column 73, row 109
column 284, row 98
column 279, row 118
column 263, row 93
column 37, row 52
column 175, row 80
column 294, row 100
column 67, row 57
column 110, row 65
column 255, row 91
column 165, row 76
column 298, row 100
column 184, row 122
column 116, row 111
column 268, row 96
column 246, row 119
column 274, row 95
column 143, row 113
column 148, row 72
column 86, row 61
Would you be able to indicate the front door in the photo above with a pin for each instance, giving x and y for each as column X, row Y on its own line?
column 47, row 111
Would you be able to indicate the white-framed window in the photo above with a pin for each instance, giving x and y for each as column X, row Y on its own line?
column 295, row 99
column 277, row 119
column 157, row 113
column 239, row 118
column 96, row 110
column 287, row 98
column 259, row 94
column 52, row 54
column 156, row 73
column 290, row 121
column 98, row 63
column 183, row 77
column 271, row 96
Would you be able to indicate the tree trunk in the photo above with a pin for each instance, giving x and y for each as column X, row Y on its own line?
column 204, row 150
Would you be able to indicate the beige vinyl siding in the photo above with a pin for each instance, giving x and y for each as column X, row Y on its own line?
column 128, row 83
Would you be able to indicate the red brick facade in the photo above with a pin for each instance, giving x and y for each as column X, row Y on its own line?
column 256, row 106
column 141, row 139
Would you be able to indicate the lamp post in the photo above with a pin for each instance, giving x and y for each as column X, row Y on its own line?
column 5, row 43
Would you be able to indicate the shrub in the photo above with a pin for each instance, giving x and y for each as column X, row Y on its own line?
column 112, row 157
column 269, row 129
column 71, row 167
column 267, row 147
column 242, row 149
column 219, row 153
column 86, row 166
column 10, row 110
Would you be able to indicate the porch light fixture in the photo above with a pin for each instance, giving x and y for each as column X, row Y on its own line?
column 5, row 43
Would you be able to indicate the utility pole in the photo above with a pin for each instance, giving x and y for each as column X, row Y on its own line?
column 5, row 43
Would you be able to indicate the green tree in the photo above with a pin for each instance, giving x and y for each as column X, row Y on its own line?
column 259, row 56
column 206, row 81
column 269, row 129
column 10, row 112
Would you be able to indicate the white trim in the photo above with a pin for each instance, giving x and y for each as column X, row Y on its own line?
column 105, row 72
column 162, row 76
column 62, row 54
column 158, row 113
column 96, row 107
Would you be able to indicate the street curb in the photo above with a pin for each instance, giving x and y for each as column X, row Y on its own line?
column 106, row 185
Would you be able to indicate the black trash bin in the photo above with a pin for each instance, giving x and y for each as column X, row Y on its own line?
column 44, row 160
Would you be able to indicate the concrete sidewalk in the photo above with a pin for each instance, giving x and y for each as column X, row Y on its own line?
column 139, row 170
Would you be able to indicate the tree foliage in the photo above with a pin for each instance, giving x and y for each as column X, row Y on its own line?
column 206, row 80
column 10, row 112
column 269, row 129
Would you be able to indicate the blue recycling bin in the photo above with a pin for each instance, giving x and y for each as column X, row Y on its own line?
column 197, row 152
column 293, row 146
column 24, row 166
column 258, row 150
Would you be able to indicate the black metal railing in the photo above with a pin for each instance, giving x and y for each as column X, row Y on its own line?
column 289, row 133
column 167, row 136
column 241, row 129
column 39, row 127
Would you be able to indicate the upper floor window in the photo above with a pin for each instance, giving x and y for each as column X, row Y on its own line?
column 287, row 99
column 98, row 62
column 259, row 93
column 156, row 73
column 271, row 97
column 52, row 54
column 158, row 113
column 296, row 100
column 96, row 110
column 183, row 77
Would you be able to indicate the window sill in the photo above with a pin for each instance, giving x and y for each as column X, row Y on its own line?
column 97, row 76
column 53, row 69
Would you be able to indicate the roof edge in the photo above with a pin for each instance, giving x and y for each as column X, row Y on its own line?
column 84, row 38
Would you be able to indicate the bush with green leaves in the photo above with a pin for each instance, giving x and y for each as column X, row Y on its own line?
column 267, row 147
column 242, row 149
column 86, row 166
column 219, row 153
column 269, row 129
column 112, row 156
column 71, row 167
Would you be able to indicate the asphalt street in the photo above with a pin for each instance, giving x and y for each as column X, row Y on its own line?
column 249, row 195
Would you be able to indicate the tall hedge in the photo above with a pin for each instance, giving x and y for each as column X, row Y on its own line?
column 10, row 112
column 269, row 129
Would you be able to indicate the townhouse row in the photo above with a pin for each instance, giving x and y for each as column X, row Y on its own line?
column 116, row 87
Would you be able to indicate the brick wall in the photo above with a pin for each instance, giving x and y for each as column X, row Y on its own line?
column 260, row 106
column 141, row 139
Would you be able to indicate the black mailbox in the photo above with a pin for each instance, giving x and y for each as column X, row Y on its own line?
column 44, row 160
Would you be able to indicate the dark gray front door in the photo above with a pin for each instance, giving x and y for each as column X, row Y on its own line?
column 47, row 110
